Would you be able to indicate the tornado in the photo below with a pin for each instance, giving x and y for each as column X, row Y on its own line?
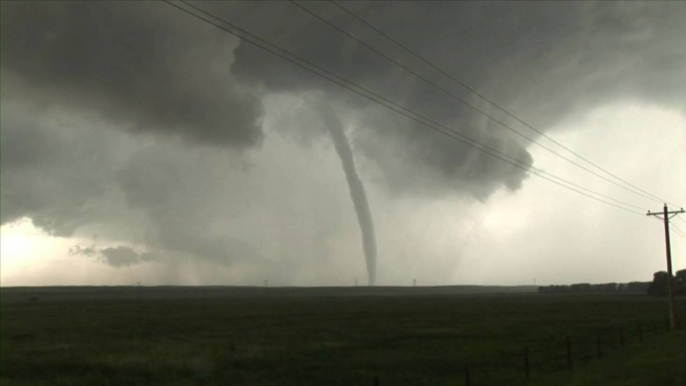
column 357, row 192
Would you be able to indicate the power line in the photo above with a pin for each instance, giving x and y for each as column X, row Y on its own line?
column 497, row 106
column 461, row 100
column 389, row 104
column 673, row 227
column 678, row 230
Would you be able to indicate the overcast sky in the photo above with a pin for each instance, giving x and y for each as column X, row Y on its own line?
column 141, row 144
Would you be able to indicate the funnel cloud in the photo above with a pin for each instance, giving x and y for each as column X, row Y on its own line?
column 357, row 193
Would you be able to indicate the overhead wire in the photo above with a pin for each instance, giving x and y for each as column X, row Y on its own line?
column 672, row 226
column 239, row 32
column 461, row 100
column 483, row 97
column 678, row 230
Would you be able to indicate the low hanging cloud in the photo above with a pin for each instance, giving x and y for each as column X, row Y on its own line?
column 117, row 257
column 123, row 256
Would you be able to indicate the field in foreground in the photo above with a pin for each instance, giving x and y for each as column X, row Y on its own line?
column 180, row 336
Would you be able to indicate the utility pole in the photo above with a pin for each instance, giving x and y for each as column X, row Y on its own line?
column 666, row 215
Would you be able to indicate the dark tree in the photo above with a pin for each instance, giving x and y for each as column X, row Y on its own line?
column 659, row 286
column 680, row 282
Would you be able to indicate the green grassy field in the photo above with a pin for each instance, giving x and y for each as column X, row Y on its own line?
column 268, row 338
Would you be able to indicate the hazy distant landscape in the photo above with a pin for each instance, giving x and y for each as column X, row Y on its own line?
column 20, row 294
column 339, row 336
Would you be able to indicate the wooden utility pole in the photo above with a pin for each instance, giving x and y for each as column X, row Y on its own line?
column 666, row 215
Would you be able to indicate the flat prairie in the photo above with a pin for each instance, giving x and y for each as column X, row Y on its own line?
column 334, row 336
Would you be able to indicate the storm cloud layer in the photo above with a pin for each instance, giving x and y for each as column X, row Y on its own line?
column 137, row 125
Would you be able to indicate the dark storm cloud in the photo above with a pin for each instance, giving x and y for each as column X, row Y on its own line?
column 55, row 176
column 402, row 150
column 153, row 68
column 183, row 202
column 73, row 73
column 544, row 61
column 166, row 196
column 179, row 202
column 129, row 63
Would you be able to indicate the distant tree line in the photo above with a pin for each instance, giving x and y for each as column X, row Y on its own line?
column 658, row 287
column 633, row 287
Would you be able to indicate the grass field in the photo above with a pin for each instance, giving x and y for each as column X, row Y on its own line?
column 326, row 337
